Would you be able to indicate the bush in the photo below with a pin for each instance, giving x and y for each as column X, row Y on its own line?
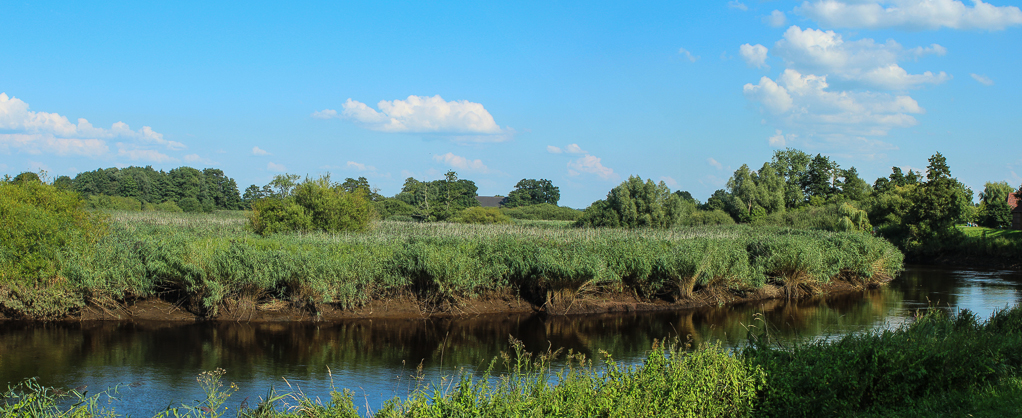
column 332, row 208
column 314, row 205
column 708, row 218
column 271, row 215
column 40, row 226
column 543, row 212
column 114, row 203
column 168, row 206
column 479, row 215
column 190, row 204
column 936, row 354
column 387, row 208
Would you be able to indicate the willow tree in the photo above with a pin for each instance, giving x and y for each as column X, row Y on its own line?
column 636, row 204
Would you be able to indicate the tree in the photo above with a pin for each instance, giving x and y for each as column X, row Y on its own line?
column 533, row 192
column 635, row 204
column 851, row 186
column 792, row 165
column 252, row 193
column 939, row 202
column 439, row 200
column 63, row 183
column 994, row 211
column 284, row 184
column 819, row 180
column 742, row 186
column 756, row 193
column 770, row 189
column 686, row 197
column 26, row 177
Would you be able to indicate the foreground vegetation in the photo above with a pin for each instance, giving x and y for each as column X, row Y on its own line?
column 941, row 364
column 214, row 261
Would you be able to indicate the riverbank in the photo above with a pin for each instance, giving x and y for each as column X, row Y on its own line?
column 409, row 306
column 972, row 247
column 212, row 267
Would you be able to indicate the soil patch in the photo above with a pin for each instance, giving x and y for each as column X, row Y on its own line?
column 409, row 306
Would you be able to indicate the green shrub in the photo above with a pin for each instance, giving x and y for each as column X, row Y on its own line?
column 937, row 354
column 334, row 209
column 387, row 208
column 708, row 218
column 314, row 205
column 168, row 206
column 543, row 211
column 113, row 203
column 480, row 215
column 271, row 215
column 40, row 226
column 190, row 204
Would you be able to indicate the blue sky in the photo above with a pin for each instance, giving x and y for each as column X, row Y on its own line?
column 584, row 94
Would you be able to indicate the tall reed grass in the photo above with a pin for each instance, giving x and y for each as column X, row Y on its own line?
column 213, row 260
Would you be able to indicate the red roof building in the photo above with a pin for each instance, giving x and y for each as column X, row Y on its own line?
column 1016, row 210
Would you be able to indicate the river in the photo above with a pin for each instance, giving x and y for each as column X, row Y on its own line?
column 157, row 363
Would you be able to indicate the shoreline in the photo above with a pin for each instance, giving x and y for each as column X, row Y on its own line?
column 410, row 307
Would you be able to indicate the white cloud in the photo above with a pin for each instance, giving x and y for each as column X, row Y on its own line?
column 863, row 61
column 195, row 158
column 911, row 14
column 425, row 115
column 325, row 114
column 772, row 96
column 574, row 149
column 359, row 167
column 259, row 151
column 776, row 19
column 754, row 55
column 805, row 102
column 462, row 163
column 780, row 140
column 591, row 165
column 553, row 150
column 734, row 4
column 714, row 163
column 669, row 181
column 275, row 167
column 688, row 55
column 41, row 132
column 982, row 79
column 135, row 154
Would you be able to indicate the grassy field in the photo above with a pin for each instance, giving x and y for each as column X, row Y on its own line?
column 939, row 365
column 979, row 232
column 214, row 260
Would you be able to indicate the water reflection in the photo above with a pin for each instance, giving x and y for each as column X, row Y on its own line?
column 377, row 357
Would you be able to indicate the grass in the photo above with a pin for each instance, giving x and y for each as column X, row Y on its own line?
column 939, row 365
column 980, row 231
column 216, row 262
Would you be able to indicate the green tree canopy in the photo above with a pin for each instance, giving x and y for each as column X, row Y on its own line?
column 939, row 202
column 793, row 166
column 994, row 211
column 533, row 192
column 634, row 204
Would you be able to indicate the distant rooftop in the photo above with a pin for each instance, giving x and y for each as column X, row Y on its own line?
column 489, row 201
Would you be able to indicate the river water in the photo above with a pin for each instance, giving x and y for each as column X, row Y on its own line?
column 157, row 362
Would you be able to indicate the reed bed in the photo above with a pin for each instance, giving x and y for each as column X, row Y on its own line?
column 213, row 260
